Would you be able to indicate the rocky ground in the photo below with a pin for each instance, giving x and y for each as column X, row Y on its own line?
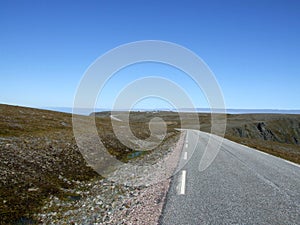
column 42, row 171
column 276, row 134
column 36, row 148
column 45, row 179
column 122, row 201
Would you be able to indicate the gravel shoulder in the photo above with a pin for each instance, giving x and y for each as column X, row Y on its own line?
column 130, row 201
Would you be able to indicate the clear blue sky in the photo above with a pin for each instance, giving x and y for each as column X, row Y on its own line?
column 252, row 46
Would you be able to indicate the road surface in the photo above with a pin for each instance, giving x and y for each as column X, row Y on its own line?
column 241, row 186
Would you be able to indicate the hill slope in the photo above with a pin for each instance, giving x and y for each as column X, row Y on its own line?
column 39, row 156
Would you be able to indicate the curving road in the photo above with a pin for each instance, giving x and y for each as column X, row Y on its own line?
column 241, row 186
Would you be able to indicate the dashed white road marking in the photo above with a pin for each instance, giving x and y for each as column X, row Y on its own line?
column 182, row 186
column 186, row 145
column 185, row 156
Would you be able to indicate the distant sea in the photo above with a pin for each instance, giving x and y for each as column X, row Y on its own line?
column 200, row 110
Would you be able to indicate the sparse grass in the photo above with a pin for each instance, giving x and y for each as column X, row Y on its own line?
column 279, row 136
column 39, row 157
column 290, row 152
column 37, row 149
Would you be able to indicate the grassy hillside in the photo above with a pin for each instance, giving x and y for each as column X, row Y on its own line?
column 277, row 134
column 39, row 157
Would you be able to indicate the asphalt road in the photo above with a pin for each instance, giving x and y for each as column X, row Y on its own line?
column 241, row 186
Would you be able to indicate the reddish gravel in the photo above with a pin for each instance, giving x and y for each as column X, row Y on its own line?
column 148, row 204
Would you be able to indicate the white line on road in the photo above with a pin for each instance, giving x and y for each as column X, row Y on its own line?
column 182, row 186
column 186, row 145
column 267, row 154
column 185, row 156
column 295, row 164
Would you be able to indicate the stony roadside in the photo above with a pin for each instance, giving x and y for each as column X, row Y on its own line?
column 138, row 199
column 44, row 178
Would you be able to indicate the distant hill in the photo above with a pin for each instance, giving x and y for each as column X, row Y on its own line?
column 41, row 143
column 277, row 134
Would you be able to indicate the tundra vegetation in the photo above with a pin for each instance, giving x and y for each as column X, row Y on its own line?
column 39, row 156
